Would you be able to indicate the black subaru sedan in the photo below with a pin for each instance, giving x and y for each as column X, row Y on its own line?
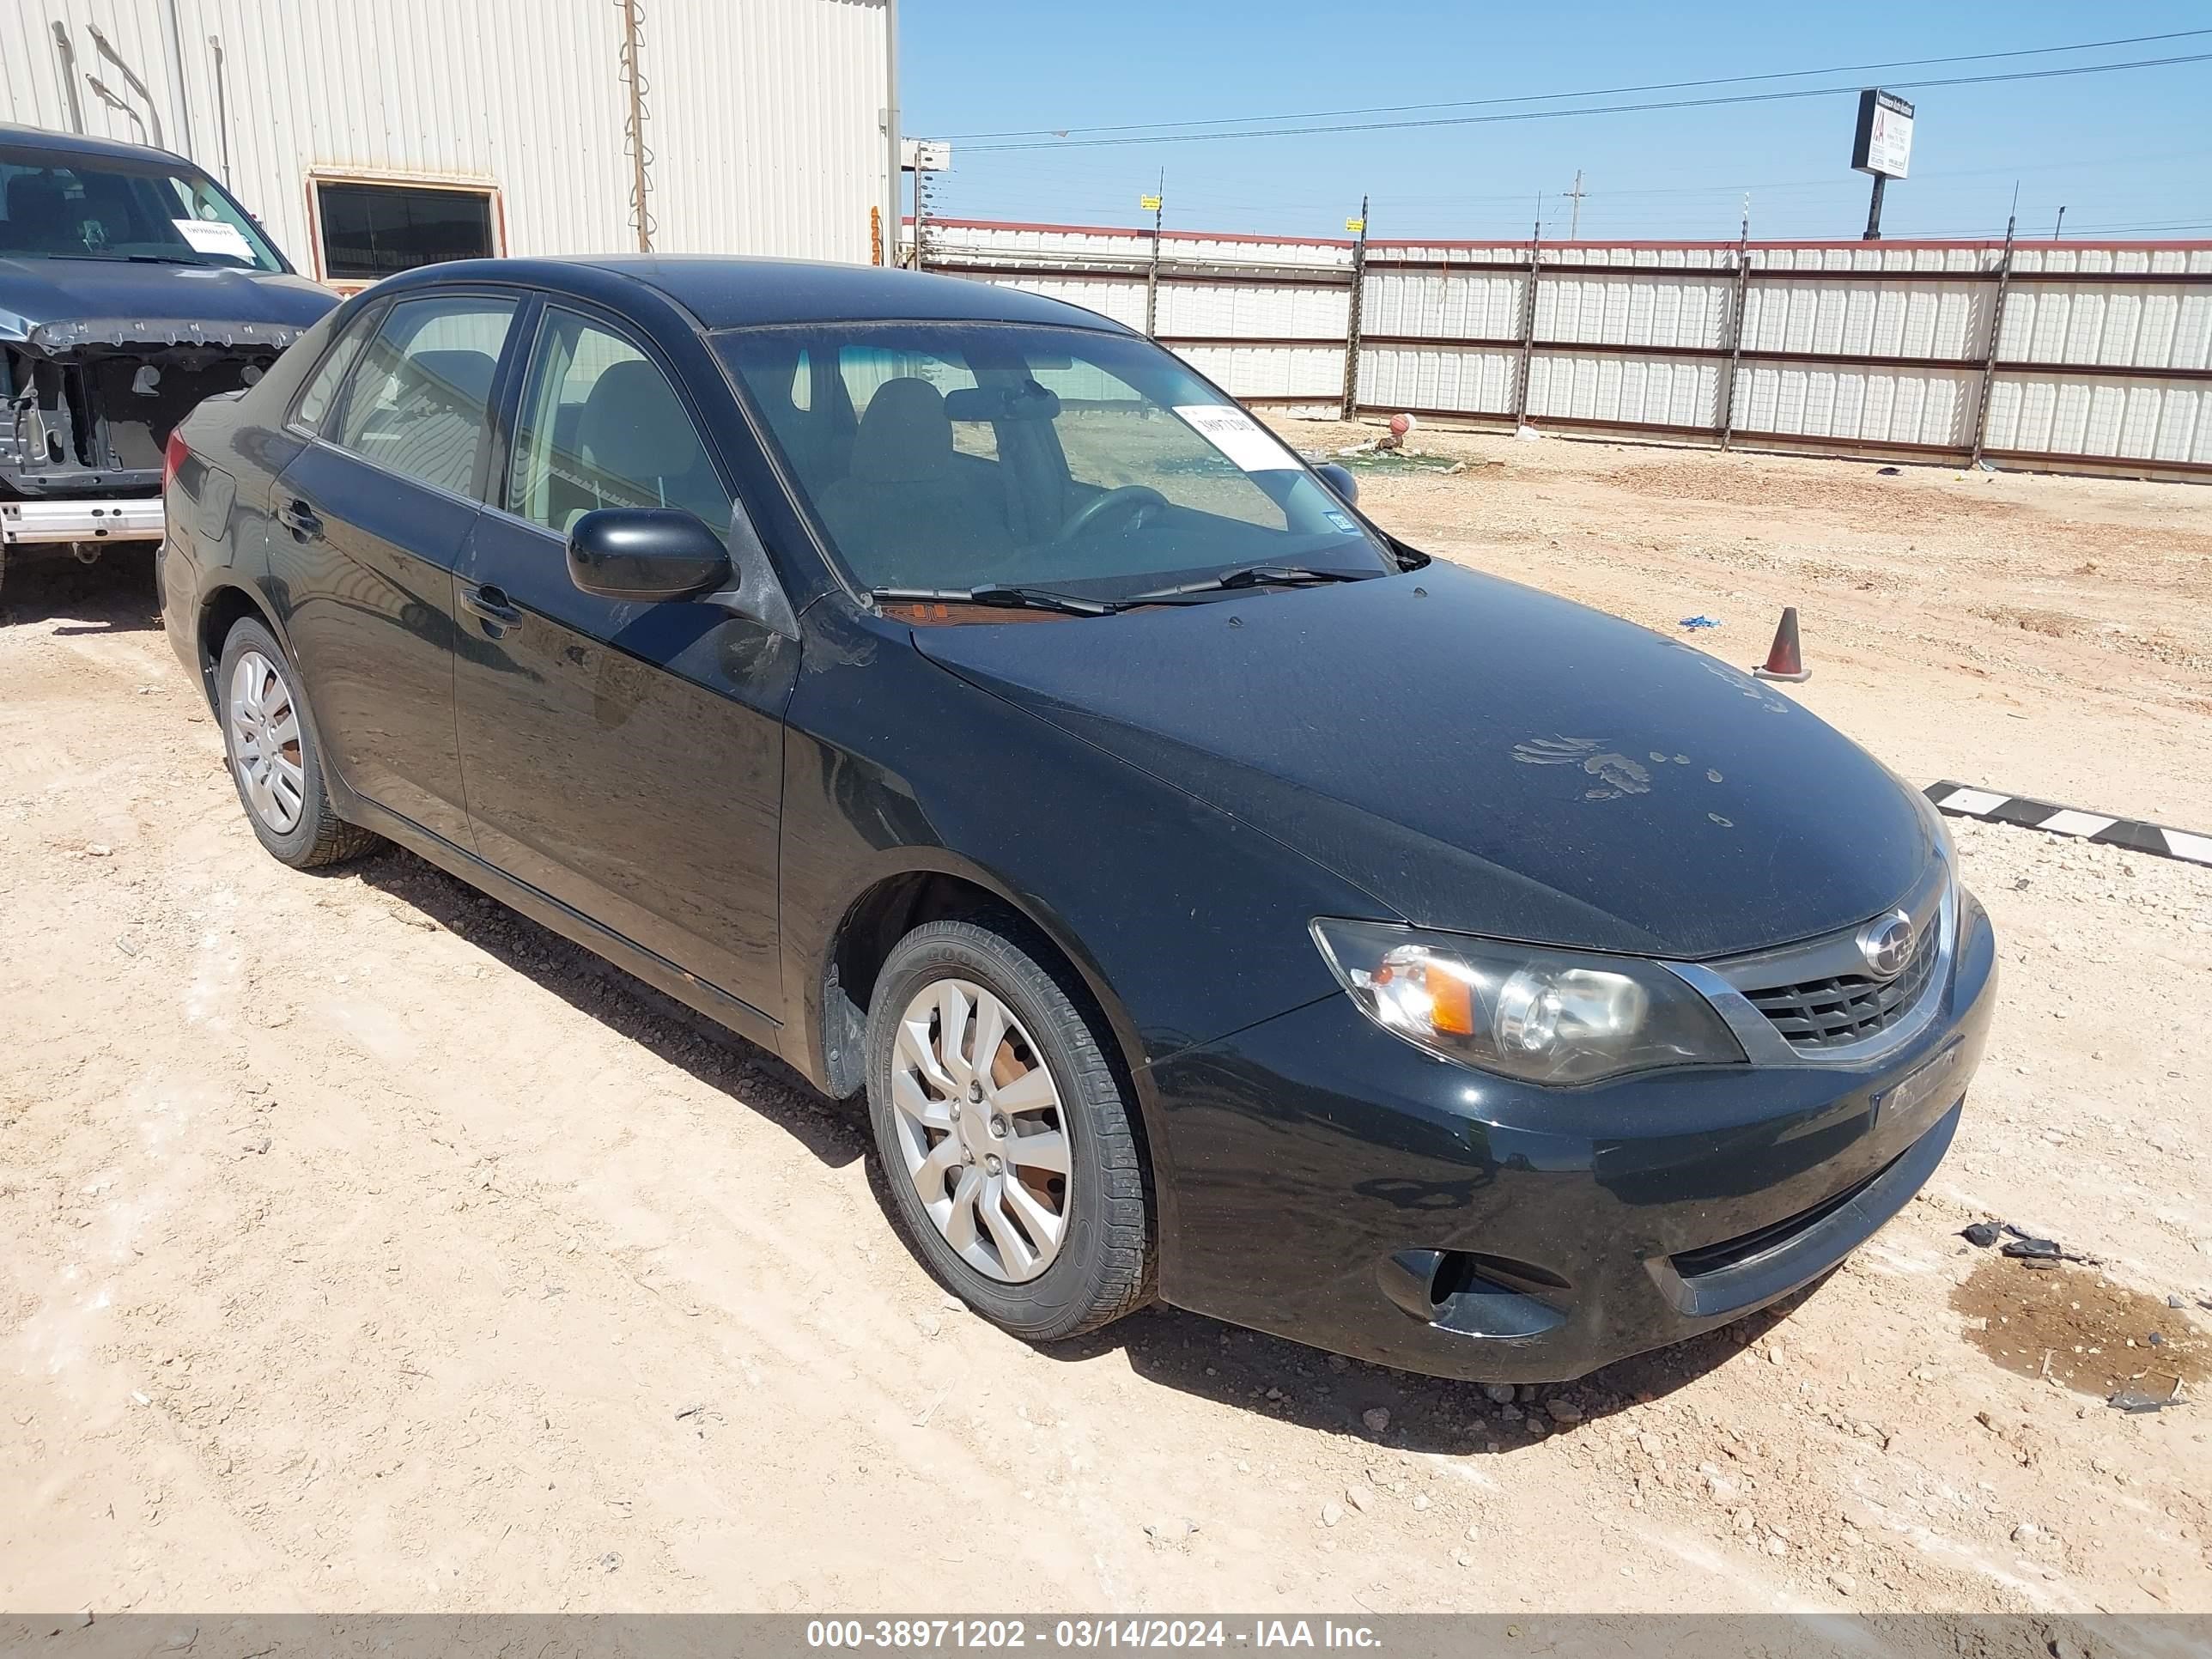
column 1214, row 898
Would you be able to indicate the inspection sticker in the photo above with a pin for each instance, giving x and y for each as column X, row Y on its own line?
column 1238, row 436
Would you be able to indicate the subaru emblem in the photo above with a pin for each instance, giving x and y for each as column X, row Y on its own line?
column 1887, row 943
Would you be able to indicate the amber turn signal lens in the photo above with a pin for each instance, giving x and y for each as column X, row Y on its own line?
column 1451, row 1001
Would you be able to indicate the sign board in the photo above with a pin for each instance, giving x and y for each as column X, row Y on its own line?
column 1356, row 227
column 1150, row 203
column 1883, row 144
column 925, row 155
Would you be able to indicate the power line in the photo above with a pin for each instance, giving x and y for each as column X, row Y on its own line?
column 1110, row 174
column 1593, row 109
column 1597, row 92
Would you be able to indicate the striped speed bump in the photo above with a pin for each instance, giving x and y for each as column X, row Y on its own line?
column 1964, row 800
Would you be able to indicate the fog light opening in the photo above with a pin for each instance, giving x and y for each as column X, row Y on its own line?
column 1473, row 1294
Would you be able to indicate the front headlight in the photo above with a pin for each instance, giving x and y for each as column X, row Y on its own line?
column 1528, row 1011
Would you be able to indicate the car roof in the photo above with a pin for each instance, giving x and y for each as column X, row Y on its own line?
column 729, row 292
column 78, row 143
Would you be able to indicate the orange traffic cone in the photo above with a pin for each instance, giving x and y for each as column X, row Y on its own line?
column 1784, row 660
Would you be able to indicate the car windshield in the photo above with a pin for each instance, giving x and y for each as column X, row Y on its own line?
column 58, row 205
column 952, row 456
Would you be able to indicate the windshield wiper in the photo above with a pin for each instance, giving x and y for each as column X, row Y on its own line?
column 1000, row 594
column 1254, row 575
column 131, row 259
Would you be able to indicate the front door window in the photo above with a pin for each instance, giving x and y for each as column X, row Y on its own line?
column 600, row 425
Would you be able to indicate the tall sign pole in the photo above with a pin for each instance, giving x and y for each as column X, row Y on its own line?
column 1882, row 146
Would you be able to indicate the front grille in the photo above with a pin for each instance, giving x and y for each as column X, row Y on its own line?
column 1827, row 1013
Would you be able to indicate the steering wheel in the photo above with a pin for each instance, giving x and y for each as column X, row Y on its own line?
column 1134, row 500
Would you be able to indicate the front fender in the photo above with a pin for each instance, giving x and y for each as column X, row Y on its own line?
column 1185, row 923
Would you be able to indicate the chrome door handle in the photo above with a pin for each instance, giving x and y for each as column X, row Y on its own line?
column 492, row 605
column 301, row 520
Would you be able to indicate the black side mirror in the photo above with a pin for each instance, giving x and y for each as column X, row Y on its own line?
column 645, row 553
column 1340, row 479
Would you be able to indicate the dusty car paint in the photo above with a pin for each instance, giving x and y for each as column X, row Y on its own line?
column 1171, row 797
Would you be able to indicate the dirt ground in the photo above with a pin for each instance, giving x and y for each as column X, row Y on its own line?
column 362, row 1246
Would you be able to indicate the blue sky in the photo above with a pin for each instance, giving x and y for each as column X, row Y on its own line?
column 2123, row 152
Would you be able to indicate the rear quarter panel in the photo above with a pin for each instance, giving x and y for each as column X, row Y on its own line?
column 217, row 508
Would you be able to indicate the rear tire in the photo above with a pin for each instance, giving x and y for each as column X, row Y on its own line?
column 1025, row 1195
column 269, row 739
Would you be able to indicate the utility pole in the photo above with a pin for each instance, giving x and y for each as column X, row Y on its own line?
column 2057, row 228
column 1529, row 318
column 921, row 206
column 1575, row 221
column 1157, row 202
column 1735, row 324
column 894, row 157
column 1349, row 410
column 1996, row 331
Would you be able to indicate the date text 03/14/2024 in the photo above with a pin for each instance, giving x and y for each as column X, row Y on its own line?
column 928, row 1634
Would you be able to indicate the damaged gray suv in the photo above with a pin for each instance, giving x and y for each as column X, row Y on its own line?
column 132, row 287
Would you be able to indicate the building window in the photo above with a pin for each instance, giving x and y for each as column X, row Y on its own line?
column 369, row 231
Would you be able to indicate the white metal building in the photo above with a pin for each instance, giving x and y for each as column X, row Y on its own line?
column 369, row 134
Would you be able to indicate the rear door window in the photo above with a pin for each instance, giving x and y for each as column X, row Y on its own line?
column 418, row 404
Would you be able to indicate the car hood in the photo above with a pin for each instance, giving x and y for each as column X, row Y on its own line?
column 58, row 305
column 1484, row 757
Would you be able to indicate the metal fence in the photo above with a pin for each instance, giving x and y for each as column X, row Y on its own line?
column 2073, row 356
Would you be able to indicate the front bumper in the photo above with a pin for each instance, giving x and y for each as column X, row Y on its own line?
column 1337, row 1186
column 135, row 520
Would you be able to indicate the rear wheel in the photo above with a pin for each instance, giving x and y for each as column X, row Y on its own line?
column 269, row 743
column 1006, row 1138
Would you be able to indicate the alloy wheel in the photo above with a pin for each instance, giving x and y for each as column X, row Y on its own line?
column 265, row 742
column 980, row 1122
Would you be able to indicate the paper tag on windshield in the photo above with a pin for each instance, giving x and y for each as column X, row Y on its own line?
column 1238, row 436
column 213, row 236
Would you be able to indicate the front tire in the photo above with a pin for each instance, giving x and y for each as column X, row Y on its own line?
column 269, row 743
column 1006, row 1138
